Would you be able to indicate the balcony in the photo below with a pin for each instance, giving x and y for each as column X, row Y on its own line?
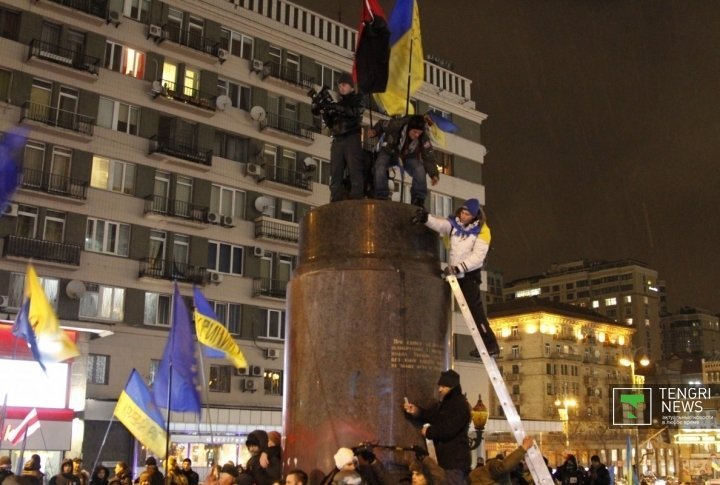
column 591, row 359
column 188, row 42
column 54, row 184
column 286, row 179
column 171, row 270
column 63, row 60
column 270, row 288
column 288, row 75
column 288, row 128
column 277, row 230
column 40, row 250
column 95, row 11
column 512, row 377
column 158, row 207
column 187, row 98
column 566, row 356
column 568, row 337
column 170, row 150
column 73, row 125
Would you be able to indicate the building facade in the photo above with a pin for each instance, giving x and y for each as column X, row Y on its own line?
column 691, row 331
column 174, row 141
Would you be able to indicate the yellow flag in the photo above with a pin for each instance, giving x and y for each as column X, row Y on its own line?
column 53, row 344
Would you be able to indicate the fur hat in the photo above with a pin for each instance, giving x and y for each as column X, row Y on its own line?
column 449, row 378
column 274, row 436
column 416, row 122
column 346, row 78
column 343, row 457
column 472, row 206
column 151, row 461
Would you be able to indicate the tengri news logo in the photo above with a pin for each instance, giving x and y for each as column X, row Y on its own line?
column 632, row 406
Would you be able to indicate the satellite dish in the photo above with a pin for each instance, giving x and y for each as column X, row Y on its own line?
column 310, row 164
column 157, row 87
column 223, row 102
column 262, row 203
column 75, row 289
column 258, row 113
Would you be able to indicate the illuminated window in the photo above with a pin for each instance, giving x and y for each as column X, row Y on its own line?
column 154, row 367
column 17, row 287
column 124, row 60
column 627, row 298
column 107, row 237
column 97, row 369
column 596, row 304
column 629, row 321
column 157, row 309
column 610, row 301
column 219, row 378
column 103, row 302
column 137, row 9
column 273, row 382
column 113, row 175
column 527, row 293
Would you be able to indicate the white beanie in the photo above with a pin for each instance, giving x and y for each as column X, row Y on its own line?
column 343, row 457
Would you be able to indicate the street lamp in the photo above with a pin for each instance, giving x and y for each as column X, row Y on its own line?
column 563, row 406
column 637, row 380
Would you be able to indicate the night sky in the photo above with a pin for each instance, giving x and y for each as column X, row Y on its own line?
column 603, row 129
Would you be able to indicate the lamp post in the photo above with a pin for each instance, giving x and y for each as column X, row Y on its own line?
column 637, row 381
column 563, row 405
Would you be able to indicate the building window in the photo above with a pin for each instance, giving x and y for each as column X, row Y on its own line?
column 328, row 76
column 219, row 378
column 107, row 237
column 225, row 258
column 287, row 210
column 157, row 309
column 610, row 301
column 514, row 331
column 240, row 95
column 124, row 60
column 54, row 226
column 237, row 44
column 230, row 315
column 274, row 325
column 627, row 298
column 113, row 175
column 230, row 146
column 227, row 201
column 103, row 302
column 153, row 371
column 118, row 116
column 596, row 304
column 17, row 290
column 515, row 351
column 98, row 367
column 5, row 77
column 9, row 24
column 515, row 369
column 137, row 9
column 547, row 349
column 273, row 382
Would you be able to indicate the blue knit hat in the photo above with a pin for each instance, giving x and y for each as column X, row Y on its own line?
column 472, row 206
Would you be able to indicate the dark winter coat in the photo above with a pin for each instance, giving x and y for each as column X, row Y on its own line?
column 394, row 138
column 345, row 117
column 121, row 479
column 260, row 475
column 449, row 421
column 569, row 473
column 599, row 475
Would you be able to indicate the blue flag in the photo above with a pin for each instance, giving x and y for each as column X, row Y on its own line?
column 10, row 167
column 22, row 328
column 178, row 370
column 137, row 410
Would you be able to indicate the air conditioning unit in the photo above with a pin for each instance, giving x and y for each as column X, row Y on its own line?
column 254, row 169
column 242, row 371
column 114, row 17
column 223, row 55
column 272, row 353
column 258, row 251
column 247, row 385
column 3, row 301
column 257, row 65
column 10, row 210
column 155, row 31
column 216, row 277
column 256, row 371
column 213, row 217
column 228, row 221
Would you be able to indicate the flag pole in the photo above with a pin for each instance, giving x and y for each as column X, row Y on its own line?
column 22, row 452
column 102, row 445
column 409, row 76
column 207, row 398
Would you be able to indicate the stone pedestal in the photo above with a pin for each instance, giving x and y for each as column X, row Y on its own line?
column 367, row 325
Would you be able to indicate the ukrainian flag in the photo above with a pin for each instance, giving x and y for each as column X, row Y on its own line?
column 212, row 333
column 407, row 66
column 138, row 412
column 53, row 344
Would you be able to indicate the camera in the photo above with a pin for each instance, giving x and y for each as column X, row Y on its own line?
column 321, row 100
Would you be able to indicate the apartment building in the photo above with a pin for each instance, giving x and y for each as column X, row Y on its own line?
column 690, row 331
column 626, row 291
column 174, row 141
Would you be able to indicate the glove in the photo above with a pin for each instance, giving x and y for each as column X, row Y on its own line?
column 420, row 217
column 450, row 270
column 420, row 452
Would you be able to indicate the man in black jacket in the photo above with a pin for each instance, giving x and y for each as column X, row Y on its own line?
column 448, row 422
column 344, row 119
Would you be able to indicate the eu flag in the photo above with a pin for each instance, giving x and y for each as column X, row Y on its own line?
column 176, row 381
column 22, row 328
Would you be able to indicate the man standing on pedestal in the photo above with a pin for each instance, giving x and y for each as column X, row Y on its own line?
column 448, row 422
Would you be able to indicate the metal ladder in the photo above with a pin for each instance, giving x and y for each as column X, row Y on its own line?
column 533, row 457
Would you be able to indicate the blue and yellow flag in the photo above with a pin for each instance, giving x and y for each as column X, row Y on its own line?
column 407, row 66
column 438, row 126
column 22, row 328
column 53, row 344
column 181, row 392
column 140, row 415
column 212, row 333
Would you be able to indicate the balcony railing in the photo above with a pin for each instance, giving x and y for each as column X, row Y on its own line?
column 172, row 270
column 287, row 176
column 39, row 249
column 188, row 38
column 269, row 228
column 189, row 95
column 54, row 184
column 97, row 8
column 66, row 57
column 289, row 74
column 155, row 204
column 289, row 125
column 269, row 287
column 57, row 118
column 566, row 356
column 173, row 148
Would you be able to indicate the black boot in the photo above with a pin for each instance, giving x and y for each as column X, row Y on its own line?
column 418, row 202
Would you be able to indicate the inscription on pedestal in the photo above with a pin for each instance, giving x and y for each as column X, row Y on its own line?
column 414, row 354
